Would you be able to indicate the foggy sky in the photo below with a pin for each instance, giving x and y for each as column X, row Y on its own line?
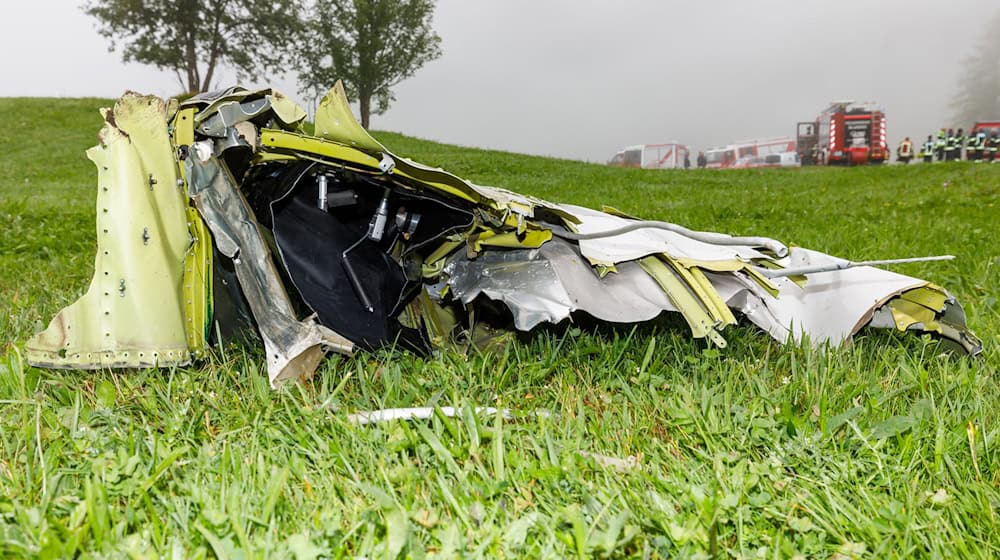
column 584, row 78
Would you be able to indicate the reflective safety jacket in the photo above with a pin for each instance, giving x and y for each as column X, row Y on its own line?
column 928, row 149
column 905, row 148
column 941, row 139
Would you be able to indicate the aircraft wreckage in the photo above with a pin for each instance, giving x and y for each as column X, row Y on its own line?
column 220, row 214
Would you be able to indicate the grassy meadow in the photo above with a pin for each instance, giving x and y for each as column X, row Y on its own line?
column 885, row 448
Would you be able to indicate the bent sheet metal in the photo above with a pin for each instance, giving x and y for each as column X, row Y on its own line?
column 330, row 242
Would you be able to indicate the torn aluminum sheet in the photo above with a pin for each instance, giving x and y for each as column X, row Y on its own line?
column 549, row 283
column 293, row 348
column 338, row 243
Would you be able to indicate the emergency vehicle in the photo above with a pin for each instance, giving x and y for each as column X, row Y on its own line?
column 846, row 133
column 736, row 155
column 652, row 156
column 986, row 127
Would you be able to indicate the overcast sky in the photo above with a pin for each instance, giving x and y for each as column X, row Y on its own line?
column 583, row 78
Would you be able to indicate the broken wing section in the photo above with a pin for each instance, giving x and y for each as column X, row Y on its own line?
column 132, row 314
column 617, row 269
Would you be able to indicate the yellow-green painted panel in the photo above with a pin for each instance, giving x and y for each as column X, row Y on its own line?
column 701, row 323
column 132, row 314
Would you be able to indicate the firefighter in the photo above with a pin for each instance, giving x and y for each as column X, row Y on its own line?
column 904, row 151
column 959, row 144
column 928, row 152
column 992, row 144
column 949, row 145
column 972, row 152
column 940, row 145
column 701, row 160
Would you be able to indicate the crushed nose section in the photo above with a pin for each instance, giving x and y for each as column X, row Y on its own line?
column 132, row 314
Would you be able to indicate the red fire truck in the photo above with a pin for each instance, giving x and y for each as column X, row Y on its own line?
column 986, row 127
column 846, row 133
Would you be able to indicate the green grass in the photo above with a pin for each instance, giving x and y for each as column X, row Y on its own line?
column 883, row 449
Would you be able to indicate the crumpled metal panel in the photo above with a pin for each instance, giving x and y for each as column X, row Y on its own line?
column 833, row 306
column 637, row 244
column 132, row 313
column 549, row 283
column 830, row 308
column 543, row 260
column 293, row 348
column 335, row 121
column 522, row 279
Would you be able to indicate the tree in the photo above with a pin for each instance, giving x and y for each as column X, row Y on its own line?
column 978, row 94
column 371, row 45
column 194, row 37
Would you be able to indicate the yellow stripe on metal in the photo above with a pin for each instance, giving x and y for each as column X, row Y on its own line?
column 707, row 293
column 701, row 323
column 280, row 140
column 434, row 263
column 198, row 285
column 762, row 280
column 531, row 239
column 183, row 134
column 907, row 313
column 715, row 266
column 799, row 279
column 929, row 296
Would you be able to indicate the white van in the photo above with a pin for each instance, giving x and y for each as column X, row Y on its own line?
column 783, row 159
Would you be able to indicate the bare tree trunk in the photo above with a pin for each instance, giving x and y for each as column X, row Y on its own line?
column 365, row 101
column 191, row 58
column 217, row 40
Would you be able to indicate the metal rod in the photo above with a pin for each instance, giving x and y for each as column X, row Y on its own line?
column 704, row 236
column 799, row 271
column 352, row 275
column 323, row 190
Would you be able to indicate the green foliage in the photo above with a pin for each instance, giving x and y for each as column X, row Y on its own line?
column 886, row 448
column 371, row 45
column 978, row 96
column 193, row 38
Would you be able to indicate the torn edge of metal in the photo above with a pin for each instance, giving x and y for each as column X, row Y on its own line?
column 132, row 314
column 135, row 139
column 294, row 348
